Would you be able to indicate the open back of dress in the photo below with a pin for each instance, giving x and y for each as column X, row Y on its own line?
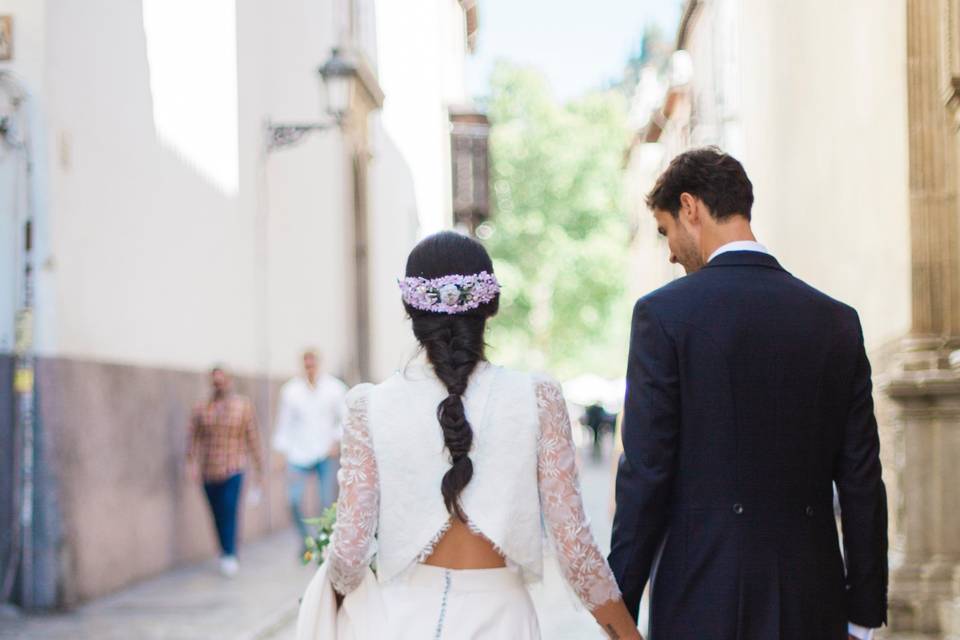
column 393, row 459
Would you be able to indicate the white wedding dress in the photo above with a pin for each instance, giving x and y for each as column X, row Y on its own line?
column 391, row 513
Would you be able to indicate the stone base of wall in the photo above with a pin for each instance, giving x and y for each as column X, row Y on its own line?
column 116, row 440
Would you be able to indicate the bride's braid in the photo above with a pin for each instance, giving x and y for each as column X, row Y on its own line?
column 454, row 346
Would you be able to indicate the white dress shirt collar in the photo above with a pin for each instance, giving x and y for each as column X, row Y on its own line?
column 740, row 245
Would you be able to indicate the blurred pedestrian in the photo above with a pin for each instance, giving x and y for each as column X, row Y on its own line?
column 223, row 437
column 599, row 421
column 309, row 422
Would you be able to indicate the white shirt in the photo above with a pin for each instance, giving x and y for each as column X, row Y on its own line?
column 309, row 419
column 855, row 630
column 740, row 245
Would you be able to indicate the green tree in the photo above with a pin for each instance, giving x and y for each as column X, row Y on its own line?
column 559, row 232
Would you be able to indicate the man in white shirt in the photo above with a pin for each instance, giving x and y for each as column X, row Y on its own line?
column 309, row 421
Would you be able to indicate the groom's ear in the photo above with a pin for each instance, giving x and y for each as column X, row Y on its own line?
column 690, row 208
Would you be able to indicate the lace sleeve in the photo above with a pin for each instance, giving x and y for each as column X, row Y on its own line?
column 358, row 506
column 581, row 561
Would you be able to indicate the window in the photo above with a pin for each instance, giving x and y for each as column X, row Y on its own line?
column 470, row 156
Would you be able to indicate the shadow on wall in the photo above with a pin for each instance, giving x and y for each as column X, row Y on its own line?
column 123, row 186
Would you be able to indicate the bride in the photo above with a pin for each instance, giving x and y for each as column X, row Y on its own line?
column 449, row 470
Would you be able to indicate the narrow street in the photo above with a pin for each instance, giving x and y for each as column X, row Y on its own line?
column 195, row 603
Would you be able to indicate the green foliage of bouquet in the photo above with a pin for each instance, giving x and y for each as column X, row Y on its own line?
column 316, row 543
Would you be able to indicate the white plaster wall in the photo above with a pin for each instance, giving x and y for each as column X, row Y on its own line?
column 421, row 57
column 811, row 97
column 151, row 256
column 650, row 266
column 421, row 52
column 172, row 241
column 825, row 143
column 393, row 230
column 304, row 190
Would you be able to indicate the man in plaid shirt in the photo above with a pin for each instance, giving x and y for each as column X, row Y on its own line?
column 223, row 436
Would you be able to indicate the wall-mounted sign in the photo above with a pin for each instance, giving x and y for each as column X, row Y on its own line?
column 6, row 38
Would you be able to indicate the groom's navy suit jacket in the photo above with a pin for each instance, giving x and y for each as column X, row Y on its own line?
column 748, row 397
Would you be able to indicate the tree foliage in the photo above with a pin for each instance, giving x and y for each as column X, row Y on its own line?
column 559, row 232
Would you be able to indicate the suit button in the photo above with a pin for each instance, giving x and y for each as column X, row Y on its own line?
column 809, row 511
column 738, row 509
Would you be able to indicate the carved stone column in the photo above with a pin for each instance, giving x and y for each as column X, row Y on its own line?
column 925, row 552
column 926, row 549
column 950, row 612
column 933, row 183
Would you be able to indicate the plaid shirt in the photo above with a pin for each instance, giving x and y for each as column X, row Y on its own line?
column 222, row 434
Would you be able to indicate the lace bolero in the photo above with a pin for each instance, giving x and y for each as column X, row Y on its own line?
column 581, row 561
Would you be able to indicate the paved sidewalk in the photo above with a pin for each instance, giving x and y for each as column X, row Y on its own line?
column 196, row 603
column 193, row 603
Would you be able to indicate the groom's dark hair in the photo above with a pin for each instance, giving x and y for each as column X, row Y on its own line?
column 709, row 174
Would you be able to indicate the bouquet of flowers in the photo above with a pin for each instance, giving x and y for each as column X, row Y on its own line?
column 316, row 543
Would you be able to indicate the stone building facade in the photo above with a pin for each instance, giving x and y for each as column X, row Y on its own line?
column 845, row 117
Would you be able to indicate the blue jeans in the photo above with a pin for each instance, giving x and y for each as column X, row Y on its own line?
column 223, row 498
column 297, row 477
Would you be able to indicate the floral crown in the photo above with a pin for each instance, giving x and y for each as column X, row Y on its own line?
column 449, row 294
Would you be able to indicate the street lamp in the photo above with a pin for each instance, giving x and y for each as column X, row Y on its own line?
column 338, row 74
column 352, row 93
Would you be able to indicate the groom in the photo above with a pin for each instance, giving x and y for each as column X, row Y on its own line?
column 748, row 397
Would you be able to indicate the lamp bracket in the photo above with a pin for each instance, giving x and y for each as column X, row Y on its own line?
column 283, row 135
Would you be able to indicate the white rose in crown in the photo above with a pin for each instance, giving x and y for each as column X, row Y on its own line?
column 449, row 294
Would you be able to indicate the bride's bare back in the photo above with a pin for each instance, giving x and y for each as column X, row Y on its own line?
column 461, row 548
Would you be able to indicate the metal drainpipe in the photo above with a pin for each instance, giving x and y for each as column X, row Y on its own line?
column 24, row 390
column 24, row 363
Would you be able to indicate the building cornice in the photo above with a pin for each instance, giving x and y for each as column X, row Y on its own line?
column 689, row 10
column 471, row 14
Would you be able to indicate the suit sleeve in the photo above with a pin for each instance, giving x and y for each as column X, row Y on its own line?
column 863, row 502
column 650, row 433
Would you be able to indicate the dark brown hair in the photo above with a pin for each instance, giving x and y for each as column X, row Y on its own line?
column 454, row 346
column 709, row 174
